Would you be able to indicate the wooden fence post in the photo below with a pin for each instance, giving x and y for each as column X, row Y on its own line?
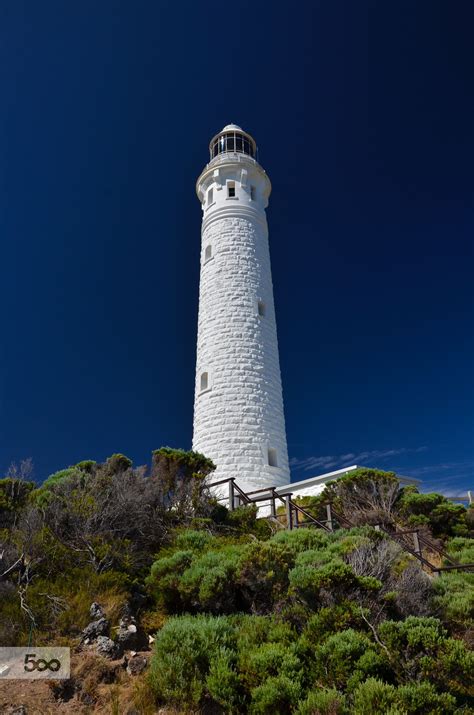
column 329, row 522
column 231, row 495
column 416, row 543
column 289, row 512
column 273, row 511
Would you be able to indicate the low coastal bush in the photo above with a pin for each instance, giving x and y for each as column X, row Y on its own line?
column 245, row 620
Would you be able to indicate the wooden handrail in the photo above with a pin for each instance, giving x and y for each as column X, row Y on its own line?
column 221, row 481
column 270, row 494
column 462, row 567
column 433, row 547
column 267, row 490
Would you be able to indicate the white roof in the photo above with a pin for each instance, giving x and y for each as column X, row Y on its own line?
column 230, row 127
column 323, row 478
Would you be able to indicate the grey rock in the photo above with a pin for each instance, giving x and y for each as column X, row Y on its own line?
column 130, row 636
column 127, row 612
column 64, row 690
column 87, row 699
column 96, row 611
column 95, row 629
column 106, row 646
column 136, row 665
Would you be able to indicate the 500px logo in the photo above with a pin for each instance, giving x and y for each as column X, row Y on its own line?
column 34, row 663
column 41, row 664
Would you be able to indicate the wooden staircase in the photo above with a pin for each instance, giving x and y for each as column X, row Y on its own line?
column 411, row 540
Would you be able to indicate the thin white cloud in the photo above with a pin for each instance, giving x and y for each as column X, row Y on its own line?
column 461, row 469
column 445, row 477
column 345, row 460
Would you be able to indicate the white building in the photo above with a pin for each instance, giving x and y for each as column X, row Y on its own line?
column 315, row 485
column 238, row 408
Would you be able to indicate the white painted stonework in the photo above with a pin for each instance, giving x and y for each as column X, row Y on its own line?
column 238, row 409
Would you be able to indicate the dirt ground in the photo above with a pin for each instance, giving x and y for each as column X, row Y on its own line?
column 96, row 686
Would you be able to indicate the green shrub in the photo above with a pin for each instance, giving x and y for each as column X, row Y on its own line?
column 193, row 540
column 243, row 518
column 87, row 465
column 276, row 696
column 442, row 516
column 308, row 581
column 165, row 575
column 184, row 650
column 422, row 699
column 345, row 659
column 60, row 603
column 462, row 549
column 63, row 474
column 224, row 684
column 268, row 660
column 300, row 540
column 14, row 494
column 322, row 702
column 252, row 631
column 208, row 584
column 374, row 697
column 420, row 650
column 364, row 496
column 118, row 463
column 263, row 574
column 330, row 620
column 176, row 464
column 454, row 598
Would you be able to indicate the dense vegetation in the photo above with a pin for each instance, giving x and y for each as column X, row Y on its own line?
column 247, row 617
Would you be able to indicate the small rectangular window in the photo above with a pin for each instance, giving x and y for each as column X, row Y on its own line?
column 261, row 308
column 208, row 253
column 204, row 381
column 252, row 193
column 272, row 457
column 210, row 197
column 231, row 189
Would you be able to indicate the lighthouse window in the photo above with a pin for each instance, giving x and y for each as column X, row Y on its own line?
column 232, row 141
column 261, row 308
column 204, row 381
column 272, row 457
column 231, row 189
column 252, row 193
column 208, row 253
column 210, row 197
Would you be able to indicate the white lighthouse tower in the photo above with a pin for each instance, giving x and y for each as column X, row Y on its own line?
column 238, row 409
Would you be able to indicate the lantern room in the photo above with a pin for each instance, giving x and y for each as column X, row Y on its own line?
column 232, row 139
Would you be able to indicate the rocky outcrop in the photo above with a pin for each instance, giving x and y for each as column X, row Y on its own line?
column 107, row 647
column 94, row 630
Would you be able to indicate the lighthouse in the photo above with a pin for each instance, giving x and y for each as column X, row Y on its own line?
column 239, row 421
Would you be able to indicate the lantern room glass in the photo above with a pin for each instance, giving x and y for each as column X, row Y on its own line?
column 232, row 142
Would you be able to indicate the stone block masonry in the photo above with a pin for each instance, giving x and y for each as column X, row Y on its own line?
column 238, row 411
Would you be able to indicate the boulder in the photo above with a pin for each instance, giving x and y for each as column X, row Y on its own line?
column 136, row 665
column 95, row 629
column 107, row 647
column 130, row 636
column 96, row 611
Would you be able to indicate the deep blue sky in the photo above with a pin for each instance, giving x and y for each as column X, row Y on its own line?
column 363, row 113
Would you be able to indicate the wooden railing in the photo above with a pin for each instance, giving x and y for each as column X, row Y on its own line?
column 237, row 497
